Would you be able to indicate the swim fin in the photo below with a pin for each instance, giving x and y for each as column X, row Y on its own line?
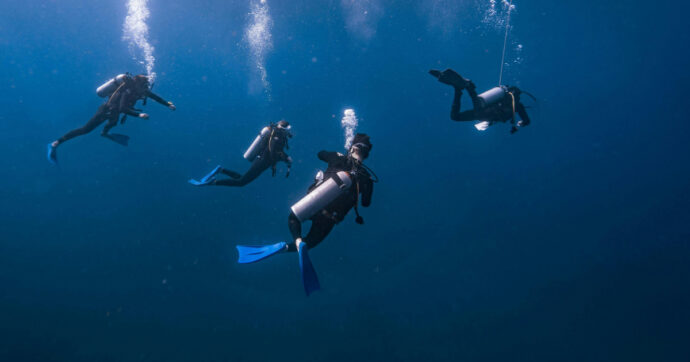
column 309, row 278
column 201, row 183
column 252, row 254
column 435, row 73
column 450, row 77
column 211, row 174
column 52, row 154
column 117, row 138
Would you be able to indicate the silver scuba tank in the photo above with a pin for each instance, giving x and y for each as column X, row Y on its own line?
column 492, row 96
column 321, row 196
column 255, row 147
column 107, row 89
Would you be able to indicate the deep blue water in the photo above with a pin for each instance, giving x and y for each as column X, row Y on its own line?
column 567, row 241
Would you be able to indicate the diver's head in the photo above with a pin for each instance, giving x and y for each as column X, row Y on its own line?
column 514, row 90
column 283, row 127
column 361, row 146
column 141, row 82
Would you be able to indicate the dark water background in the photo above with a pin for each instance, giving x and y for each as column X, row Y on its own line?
column 568, row 241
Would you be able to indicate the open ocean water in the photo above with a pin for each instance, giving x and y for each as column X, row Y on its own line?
column 567, row 241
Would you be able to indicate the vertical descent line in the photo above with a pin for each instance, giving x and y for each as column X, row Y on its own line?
column 505, row 41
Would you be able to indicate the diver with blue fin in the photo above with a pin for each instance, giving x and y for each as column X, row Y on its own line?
column 265, row 152
column 122, row 92
column 498, row 104
column 329, row 199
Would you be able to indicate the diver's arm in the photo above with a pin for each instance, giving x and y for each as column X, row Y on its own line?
column 285, row 158
column 160, row 99
column 327, row 156
column 280, row 155
column 131, row 112
column 126, row 108
column 523, row 114
column 288, row 161
column 367, row 189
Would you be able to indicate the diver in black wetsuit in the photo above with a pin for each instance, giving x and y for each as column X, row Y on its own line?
column 329, row 199
column 272, row 151
column 362, row 185
column 497, row 105
column 122, row 100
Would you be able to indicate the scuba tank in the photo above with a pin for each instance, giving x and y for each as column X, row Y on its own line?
column 255, row 147
column 493, row 95
column 107, row 89
column 322, row 195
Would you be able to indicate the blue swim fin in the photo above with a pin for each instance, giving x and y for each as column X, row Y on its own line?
column 52, row 154
column 211, row 174
column 118, row 138
column 252, row 254
column 200, row 183
column 309, row 278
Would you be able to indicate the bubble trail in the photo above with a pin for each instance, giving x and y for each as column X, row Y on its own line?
column 495, row 14
column 349, row 124
column 136, row 32
column 258, row 36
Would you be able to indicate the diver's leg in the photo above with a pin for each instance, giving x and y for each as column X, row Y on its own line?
column 321, row 226
column 112, row 122
column 94, row 122
column 471, row 115
column 230, row 173
column 455, row 107
column 258, row 166
column 472, row 91
column 295, row 227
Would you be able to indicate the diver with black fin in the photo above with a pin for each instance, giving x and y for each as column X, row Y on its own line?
column 265, row 152
column 122, row 92
column 329, row 199
column 498, row 104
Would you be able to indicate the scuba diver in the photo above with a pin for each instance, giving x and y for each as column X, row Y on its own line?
column 328, row 201
column 498, row 104
column 123, row 92
column 266, row 151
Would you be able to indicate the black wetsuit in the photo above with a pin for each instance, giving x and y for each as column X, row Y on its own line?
column 501, row 111
column 121, row 101
column 273, row 152
column 324, row 220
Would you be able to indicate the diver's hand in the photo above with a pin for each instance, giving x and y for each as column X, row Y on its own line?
column 144, row 116
column 435, row 73
column 171, row 106
column 298, row 241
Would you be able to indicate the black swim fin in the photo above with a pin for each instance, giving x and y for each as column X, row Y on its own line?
column 118, row 138
column 435, row 73
column 450, row 77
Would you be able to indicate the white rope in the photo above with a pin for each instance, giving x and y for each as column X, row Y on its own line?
column 505, row 41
